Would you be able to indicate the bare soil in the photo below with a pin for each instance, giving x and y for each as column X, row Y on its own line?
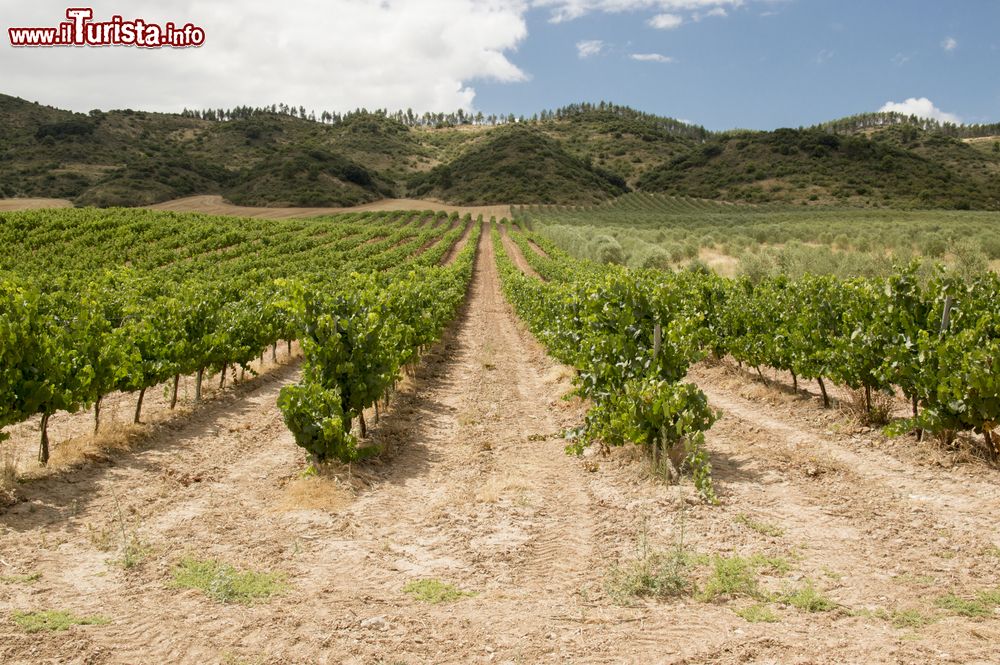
column 514, row 252
column 32, row 204
column 476, row 491
column 216, row 205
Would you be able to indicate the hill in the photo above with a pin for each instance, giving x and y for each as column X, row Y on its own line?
column 579, row 154
column 900, row 166
column 520, row 164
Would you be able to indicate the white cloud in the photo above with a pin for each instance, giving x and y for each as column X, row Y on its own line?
column 712, row 13
column 567, row 10
column 651, row 57
column 665, row 21
column 589, row 47
column 324, row 54
column 824, row 56
column 949, row 44
column 922, row 108
column 900, row 59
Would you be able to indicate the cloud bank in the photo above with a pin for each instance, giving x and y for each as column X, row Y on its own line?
column 651, row 57
column 922, row 108
column 323, row 54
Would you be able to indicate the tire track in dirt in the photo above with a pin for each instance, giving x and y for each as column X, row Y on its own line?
column 963, row 504
column 476, row 491
column 488, row 502
column 515, row 255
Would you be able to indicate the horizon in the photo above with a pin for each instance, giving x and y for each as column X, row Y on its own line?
column 533, row 117
column 720, row 64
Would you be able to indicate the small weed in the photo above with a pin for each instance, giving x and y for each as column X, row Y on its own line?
column 982, row 606
column 991, row 551
column 916, row 580
column 774, row 564
column 103, row 538
column 808, row 599
column 909, row 619
column 652, row 574
column 134, row 553
column 731, row 577
column 762, row 528
column 224, row 583
column 30, row 578
column 831, row 573
column 758, row 613
column 435, row 591
column 467, row 419
column 36, row 622
column 991, row 597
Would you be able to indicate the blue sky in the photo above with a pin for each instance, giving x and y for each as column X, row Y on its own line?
column 766, row 64
column 720, row 63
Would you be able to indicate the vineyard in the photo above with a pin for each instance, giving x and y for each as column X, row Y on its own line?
column 645, row 230
column 935, row 341
column 424, row 450
column 131, row 299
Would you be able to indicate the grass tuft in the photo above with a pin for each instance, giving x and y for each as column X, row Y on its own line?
column 983, row 605
column 435, row 591
column 52, row 620
column 758, row 613
column 808, row 599
column 30, row 578
column 225, row 584
column 909, row 619
column 762, row 528
column 731, row 577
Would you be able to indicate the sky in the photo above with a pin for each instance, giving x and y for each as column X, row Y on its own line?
column 723, row 64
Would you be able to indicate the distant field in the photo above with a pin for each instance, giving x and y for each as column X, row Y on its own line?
column 32, row 204
column 649, row 230
column 216, row 205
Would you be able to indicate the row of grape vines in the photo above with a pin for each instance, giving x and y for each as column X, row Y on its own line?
column 356, row 339
column 632, row 337
column 936, row 341
column 97, row 301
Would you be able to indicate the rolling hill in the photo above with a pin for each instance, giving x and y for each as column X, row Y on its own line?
column 577, row 155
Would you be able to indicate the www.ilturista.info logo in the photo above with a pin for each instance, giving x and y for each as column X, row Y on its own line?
column 81, row 30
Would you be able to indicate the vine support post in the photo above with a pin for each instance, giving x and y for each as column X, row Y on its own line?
column 946, row 314
column 197, row 384
column 138, row 407
column 173, row 393
column 222, row 375
column 43, row 446
column 97, row 413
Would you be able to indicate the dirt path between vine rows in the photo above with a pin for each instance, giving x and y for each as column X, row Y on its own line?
column 478, row 493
